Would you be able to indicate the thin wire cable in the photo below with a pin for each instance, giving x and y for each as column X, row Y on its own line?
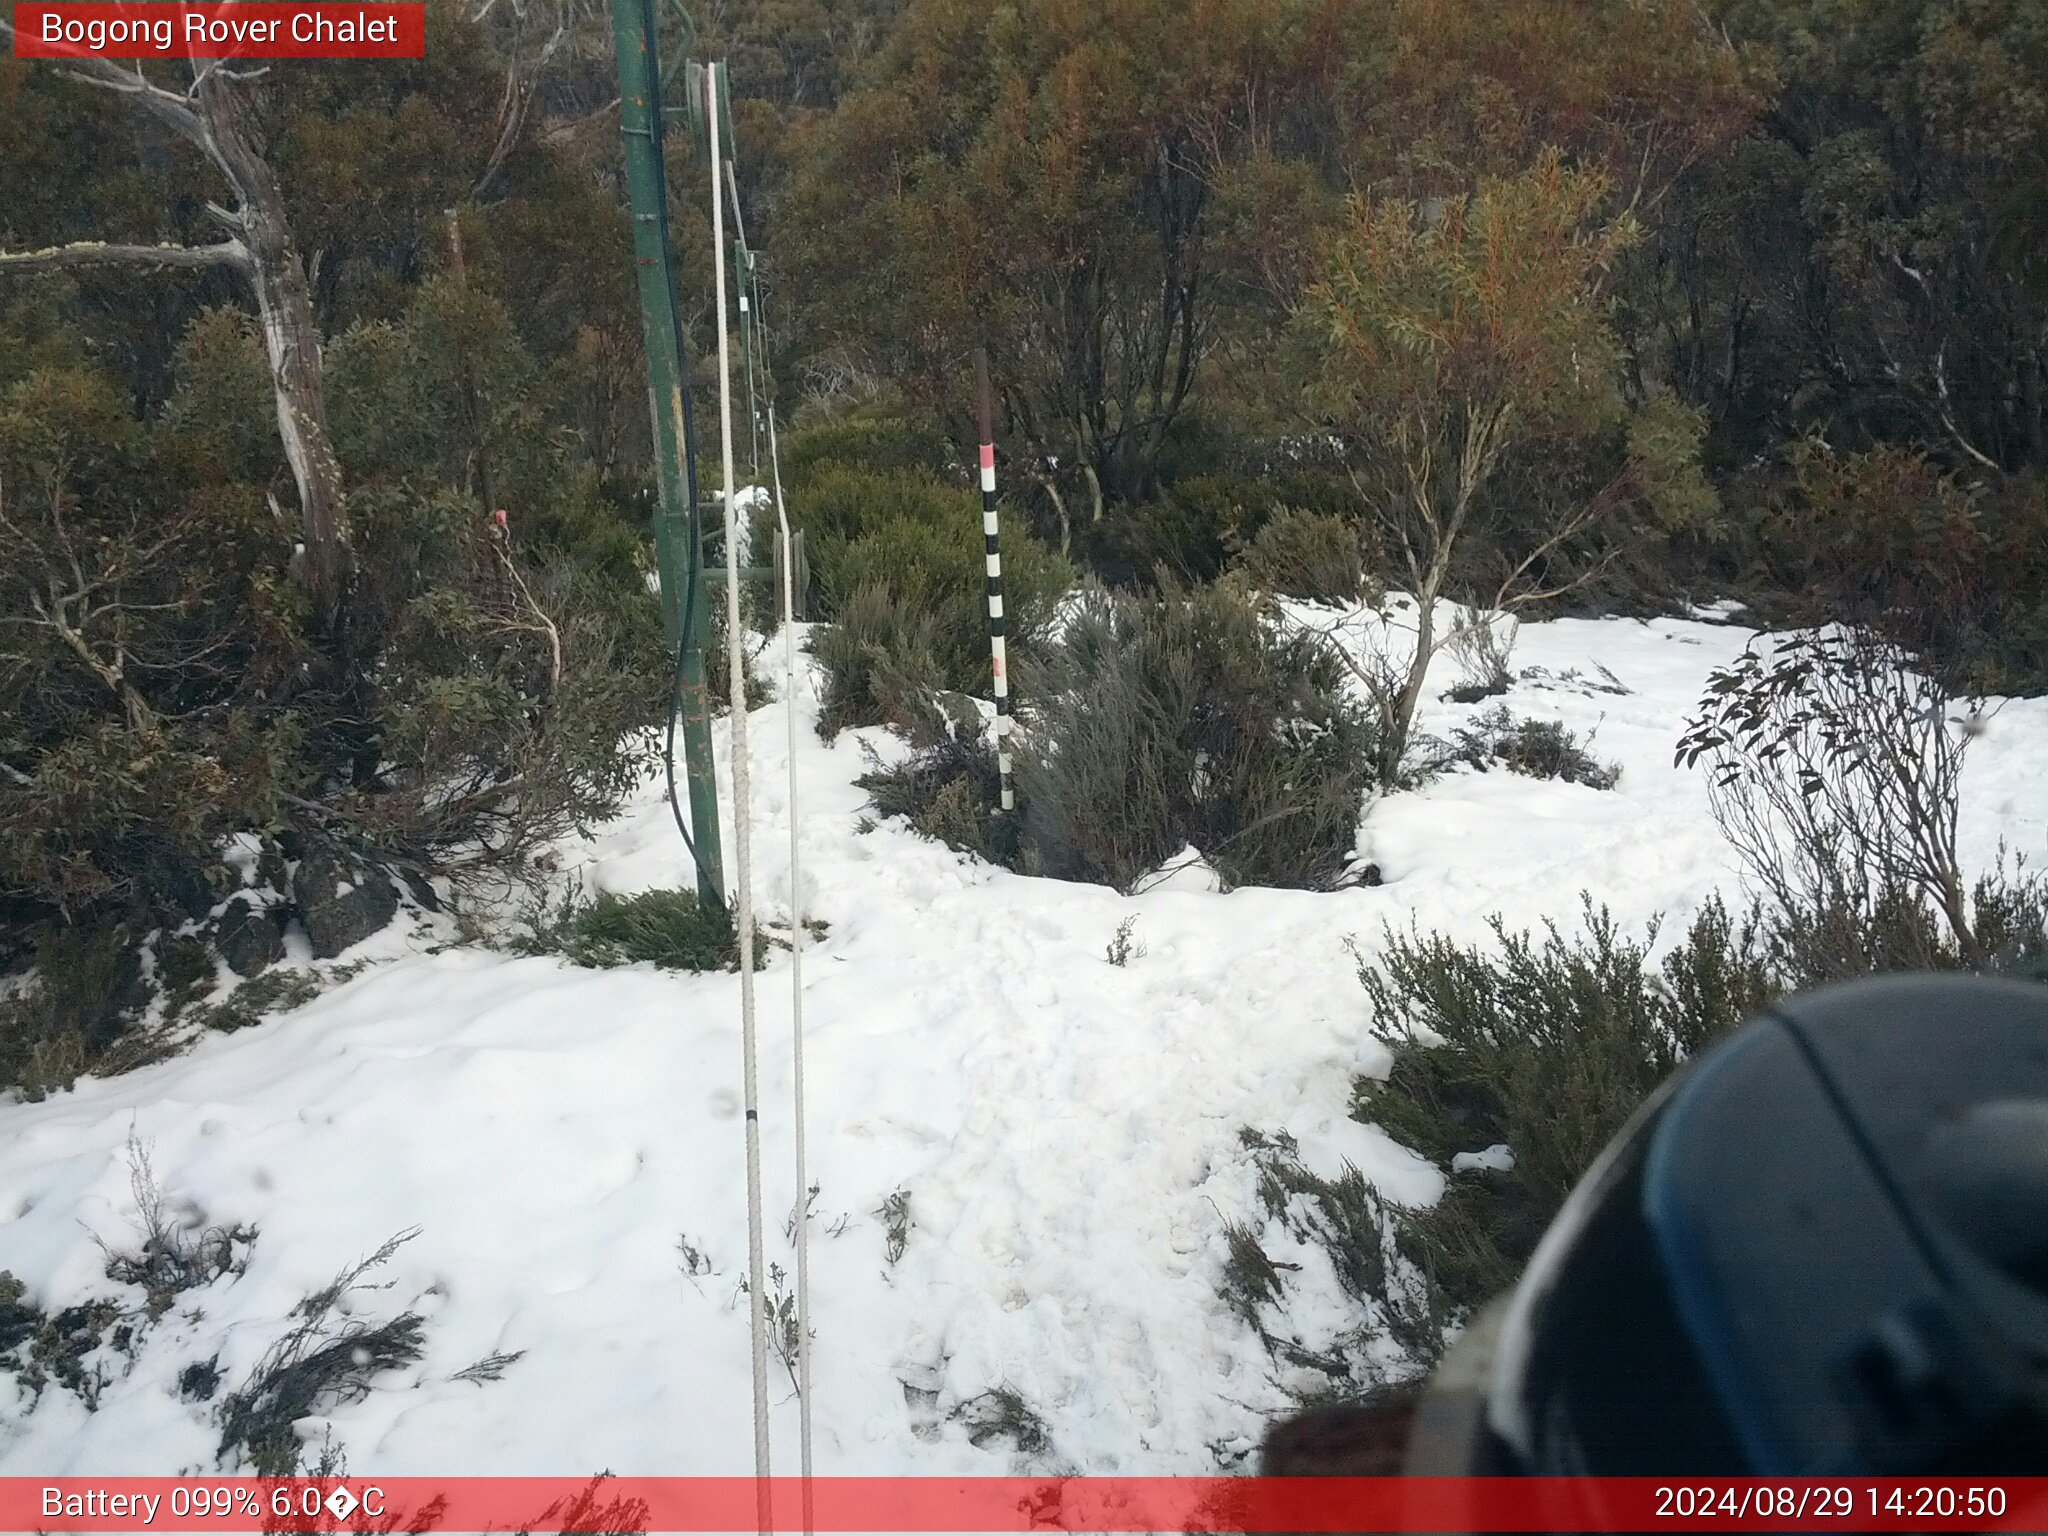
column 675, row 706
column 750, row 319
column 796, row 983
column 742, row 839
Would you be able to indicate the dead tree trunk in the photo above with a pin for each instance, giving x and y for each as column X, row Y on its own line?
column 291, row 339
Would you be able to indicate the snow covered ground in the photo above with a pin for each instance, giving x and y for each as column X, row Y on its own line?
column 1066, row 1129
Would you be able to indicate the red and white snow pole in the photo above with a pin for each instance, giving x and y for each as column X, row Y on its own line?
column 995, row 574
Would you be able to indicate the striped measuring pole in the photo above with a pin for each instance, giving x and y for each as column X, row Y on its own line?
column 995, row 575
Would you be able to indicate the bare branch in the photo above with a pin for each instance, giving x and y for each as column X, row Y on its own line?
column 172, row 108
column 543, row 625
column 101, row 253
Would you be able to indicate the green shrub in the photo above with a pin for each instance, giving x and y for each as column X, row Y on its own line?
column 1188, row 532
column 486, row 752
column 76, row 1012
column 1199, row 522
column 718, row 664
column 1545, row 1046
column 950, row 792
column 2010, row 912
column 905, row 579
column 1953, row 569
column 669, row 929
column 1310, row 555
column 1901, row 930
column 1186, row 719
column 485, row 694
column 842, row 504
column 130, row 754
column 880, row 660
column 880, row 443
column 1537, row 749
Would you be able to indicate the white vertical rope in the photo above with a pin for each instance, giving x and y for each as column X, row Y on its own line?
column 796, row 983
column 757, row 1306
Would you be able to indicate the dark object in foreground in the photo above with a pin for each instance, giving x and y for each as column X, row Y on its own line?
column 1820, row 1249
column 1362, row 1439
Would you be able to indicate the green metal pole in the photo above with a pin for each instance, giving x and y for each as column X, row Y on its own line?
column 677, row 531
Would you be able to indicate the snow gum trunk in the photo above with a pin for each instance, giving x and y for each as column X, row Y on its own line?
column 291, row 340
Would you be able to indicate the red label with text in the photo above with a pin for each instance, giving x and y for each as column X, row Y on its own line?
column 223, row 29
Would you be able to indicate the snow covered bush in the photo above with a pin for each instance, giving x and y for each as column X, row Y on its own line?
column 1483, row 645
column 1537, row 749
column 1355, row 1228
column 1536, row 1052
column 93, row 1344
column 327, row 1356
column 951, row 792
column 1185, row 719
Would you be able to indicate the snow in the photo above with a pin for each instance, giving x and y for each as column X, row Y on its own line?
column 1498, row 1158
column 1185, row 871
column 1066, row 1129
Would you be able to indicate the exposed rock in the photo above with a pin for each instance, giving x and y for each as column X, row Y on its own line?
column 421, row 887
column 271, row 867
column 249, row 936
column 183, row 885
column 342, row 899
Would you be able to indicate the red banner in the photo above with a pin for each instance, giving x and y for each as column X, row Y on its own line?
column 1018, row 1504
column 223, row 29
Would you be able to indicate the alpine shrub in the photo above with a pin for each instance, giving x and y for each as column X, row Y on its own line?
column 903, row 575
column 1185, row 719
column 1537, row 749
column 950, row 792
column 1315, row 556
column 1187, row 533
column 883, row 444
column 880, row 660
column 1544, row 1046
column 669, row 929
